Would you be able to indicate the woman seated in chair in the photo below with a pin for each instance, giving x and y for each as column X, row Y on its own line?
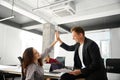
column 32, row 63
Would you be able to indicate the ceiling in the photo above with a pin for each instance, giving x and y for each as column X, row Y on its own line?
column 30, row 15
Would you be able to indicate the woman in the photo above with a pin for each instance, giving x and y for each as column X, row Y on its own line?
column 32, row 63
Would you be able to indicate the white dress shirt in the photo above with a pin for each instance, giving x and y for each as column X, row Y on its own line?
column 81, row 54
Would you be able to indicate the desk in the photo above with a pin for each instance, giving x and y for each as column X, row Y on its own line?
column 11, row 69
column 57, row 73
column 9, row 72
column 53, row 75
column 17, row 70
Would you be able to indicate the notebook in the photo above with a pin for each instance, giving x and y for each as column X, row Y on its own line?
column 46, row 67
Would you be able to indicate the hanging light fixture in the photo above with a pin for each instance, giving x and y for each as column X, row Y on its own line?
column 12, row 15
column 7, row 18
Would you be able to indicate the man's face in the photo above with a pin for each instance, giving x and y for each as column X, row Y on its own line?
column 76, row 36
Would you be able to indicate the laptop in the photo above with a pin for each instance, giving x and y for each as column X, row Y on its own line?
column 46, row 67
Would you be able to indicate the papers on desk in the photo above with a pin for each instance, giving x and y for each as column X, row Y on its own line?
column 57, row 73
column 63, row 70
column 53, row 74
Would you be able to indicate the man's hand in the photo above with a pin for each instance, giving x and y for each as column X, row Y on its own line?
column 75, row 72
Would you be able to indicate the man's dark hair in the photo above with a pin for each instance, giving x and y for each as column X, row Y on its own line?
column 78, row 29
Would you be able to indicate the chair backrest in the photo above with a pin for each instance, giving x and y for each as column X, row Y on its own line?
column 61, row 60
column 113, row 65
column 20, row 59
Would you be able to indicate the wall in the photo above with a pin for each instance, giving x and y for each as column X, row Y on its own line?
column 9, row 44
column 13, row 42
column 115, row 42
column 115, row 50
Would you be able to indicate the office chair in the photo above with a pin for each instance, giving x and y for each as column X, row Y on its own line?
column 2, row 76
column 113, row 65
column 20, row 59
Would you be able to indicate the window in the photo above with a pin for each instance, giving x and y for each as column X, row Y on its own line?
column 102, row 38
column 31, row 40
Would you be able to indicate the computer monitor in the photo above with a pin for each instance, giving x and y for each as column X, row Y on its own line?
column 61, row 60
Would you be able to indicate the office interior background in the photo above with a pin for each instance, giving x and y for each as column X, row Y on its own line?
column 22, row 25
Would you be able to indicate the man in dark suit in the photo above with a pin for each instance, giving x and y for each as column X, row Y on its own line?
column 88, row 63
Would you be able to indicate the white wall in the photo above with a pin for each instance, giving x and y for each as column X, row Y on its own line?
column 1, row 39
column 115, row 50
column 12, row 43
column 115, row 42
column 9, row 44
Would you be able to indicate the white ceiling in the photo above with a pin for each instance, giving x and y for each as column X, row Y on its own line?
column 85, row 10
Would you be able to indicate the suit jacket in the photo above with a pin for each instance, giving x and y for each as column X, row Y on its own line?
column 94, row 65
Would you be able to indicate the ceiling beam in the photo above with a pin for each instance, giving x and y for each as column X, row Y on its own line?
column 22, row 11
column 35, row 31
column 102, row 26
column 10, row 23
column 31, row 25
column 19, row 26
column 64, row 27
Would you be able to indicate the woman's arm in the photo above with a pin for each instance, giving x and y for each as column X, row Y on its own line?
column 53, row 43
column 58, row 37
column 48, row 49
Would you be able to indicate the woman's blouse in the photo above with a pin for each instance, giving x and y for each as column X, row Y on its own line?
column 35, row 71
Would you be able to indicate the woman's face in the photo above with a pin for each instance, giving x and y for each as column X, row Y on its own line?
column 36, row 54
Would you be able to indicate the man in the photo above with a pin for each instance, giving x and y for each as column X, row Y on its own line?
column 88, row 63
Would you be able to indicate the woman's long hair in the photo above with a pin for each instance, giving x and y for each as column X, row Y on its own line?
column 28, row 58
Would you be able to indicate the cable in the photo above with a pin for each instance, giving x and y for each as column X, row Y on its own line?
column 6, row 18
column 12, row 7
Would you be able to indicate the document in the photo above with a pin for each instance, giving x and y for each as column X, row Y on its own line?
column 63, row 70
